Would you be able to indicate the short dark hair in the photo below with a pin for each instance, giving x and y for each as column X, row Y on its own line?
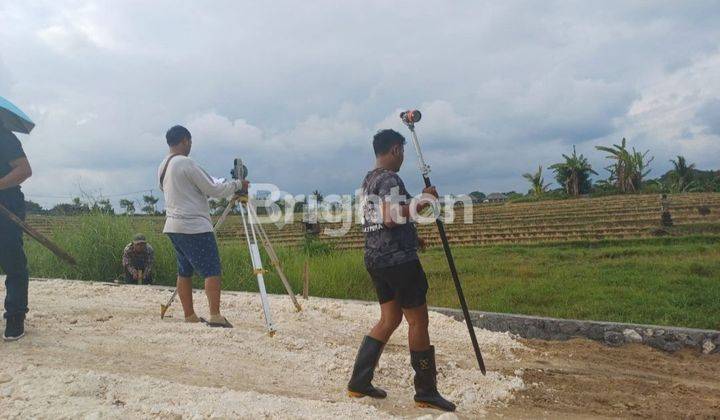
column 384, row 140
column 177, row 134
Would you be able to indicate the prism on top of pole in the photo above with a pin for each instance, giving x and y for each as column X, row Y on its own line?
column 410, row 118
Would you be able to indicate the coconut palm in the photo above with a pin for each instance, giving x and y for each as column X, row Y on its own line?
column 681, row 175
column 574, row 173
column 537, row 182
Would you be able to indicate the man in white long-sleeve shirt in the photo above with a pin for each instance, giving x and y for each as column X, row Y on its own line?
column 187, row 187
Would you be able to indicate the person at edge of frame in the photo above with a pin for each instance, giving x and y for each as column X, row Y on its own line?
column 391, row 244
column 14, row 170
column 186, row 187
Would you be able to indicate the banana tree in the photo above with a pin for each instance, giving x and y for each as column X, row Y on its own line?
column 629, row 167
column 639, row 169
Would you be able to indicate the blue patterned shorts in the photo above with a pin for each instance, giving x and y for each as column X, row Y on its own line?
column 196, row 252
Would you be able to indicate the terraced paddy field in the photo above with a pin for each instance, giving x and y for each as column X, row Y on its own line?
column 614, row 217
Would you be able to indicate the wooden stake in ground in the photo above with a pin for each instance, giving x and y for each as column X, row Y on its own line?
column 164, row 308
column 306, row 279
column 47, row 243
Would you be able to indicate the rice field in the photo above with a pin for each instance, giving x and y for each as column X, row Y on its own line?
column 667, row 280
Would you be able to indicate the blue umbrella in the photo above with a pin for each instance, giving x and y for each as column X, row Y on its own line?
column 13, row 119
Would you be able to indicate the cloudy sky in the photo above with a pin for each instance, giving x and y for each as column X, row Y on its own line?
column 297, row 89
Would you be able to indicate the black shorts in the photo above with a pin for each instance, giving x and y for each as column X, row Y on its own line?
column 404, row 282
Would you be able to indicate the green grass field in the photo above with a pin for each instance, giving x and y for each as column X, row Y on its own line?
column 668, row 281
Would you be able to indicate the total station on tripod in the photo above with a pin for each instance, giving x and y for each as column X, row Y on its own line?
column 239, row 171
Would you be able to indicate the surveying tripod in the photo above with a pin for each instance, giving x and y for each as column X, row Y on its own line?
column 253, row 229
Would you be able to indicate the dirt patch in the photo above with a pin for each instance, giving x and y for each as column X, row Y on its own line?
column 101, row 350
column 97, row 350
column 584, row 379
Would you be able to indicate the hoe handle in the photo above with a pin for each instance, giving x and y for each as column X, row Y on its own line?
column 47, row 243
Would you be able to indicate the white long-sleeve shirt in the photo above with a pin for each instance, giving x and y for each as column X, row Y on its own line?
column 187, row 188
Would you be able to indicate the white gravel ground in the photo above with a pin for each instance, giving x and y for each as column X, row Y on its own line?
column 96, row 350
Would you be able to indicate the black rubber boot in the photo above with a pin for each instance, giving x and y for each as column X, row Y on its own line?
column 364, row 370
column 426, row 393
column 14, row 328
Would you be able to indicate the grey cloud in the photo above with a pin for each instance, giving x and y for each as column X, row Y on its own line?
column 709, row 115
column 298, row 89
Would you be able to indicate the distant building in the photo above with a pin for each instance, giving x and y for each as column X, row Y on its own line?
column 496, row 198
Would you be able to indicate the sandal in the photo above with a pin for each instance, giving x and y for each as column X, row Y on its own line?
column 217, row 321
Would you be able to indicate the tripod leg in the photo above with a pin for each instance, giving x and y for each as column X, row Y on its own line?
column 275, row 260
column 257, row 267
column 224, row 214
column 261, row 286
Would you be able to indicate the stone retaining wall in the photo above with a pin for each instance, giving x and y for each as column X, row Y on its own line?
column 610, row 333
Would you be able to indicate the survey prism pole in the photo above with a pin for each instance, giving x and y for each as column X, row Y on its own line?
column 410, row 118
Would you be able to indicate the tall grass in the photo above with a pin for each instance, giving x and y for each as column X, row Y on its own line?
column 98, row 240
column 670, row 281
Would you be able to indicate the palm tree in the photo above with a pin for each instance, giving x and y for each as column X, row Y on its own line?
column 537, row 182
column 574, row 173
column 128, row 205
column 103, row 206
column 629, row 168
column 150, row 202
column 318, row 196
column 681, row 175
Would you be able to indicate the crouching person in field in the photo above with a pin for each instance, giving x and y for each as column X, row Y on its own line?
column 187, row 187
column 391, row 245
column 137, row 260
